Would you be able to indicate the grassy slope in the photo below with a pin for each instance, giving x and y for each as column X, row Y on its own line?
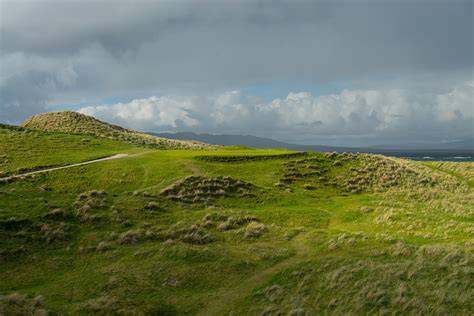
column 403, row 243
column 464, row 171
column 77, row 123
column 22, row 148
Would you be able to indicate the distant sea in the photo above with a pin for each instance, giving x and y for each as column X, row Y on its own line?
column 432, row 155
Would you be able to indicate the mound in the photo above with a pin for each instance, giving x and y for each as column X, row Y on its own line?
column 196, row 189
column 355, row 173
column 77, row 123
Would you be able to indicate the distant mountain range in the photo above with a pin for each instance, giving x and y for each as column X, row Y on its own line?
column 248, row 141
column 461, row 147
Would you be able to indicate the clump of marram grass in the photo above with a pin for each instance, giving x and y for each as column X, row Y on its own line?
column 152, row 206
column 273, row 293
column 136, row 236
column 19, row 304
column 104, row 246
column 346, row 239
column 197, row 189
column 330, row 155
column 280, row 184
column 142, row 193
column 254, row 230
column 233, row 222
column 55, row 232
column 57, row 214
column 366, row 209
column 225, row 226
column 194, row 234
column 89, row 201
column 200, row 234
column 225, row 223
column 400, row 249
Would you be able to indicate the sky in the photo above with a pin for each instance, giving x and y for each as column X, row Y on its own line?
column 339, row 72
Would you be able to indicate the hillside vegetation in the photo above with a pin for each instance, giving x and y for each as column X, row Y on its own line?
column 23, row 149
column 77, row 123
column 237, row 232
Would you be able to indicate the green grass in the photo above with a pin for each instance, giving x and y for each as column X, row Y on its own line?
column 24, row 149
column 77, row 123
column 464, row 171
column 367, row 235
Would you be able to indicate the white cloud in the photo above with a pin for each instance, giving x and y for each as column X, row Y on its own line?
column 149, row 113
column 458, row 103
column 377, row 115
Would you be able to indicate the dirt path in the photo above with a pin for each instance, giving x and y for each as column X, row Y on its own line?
column 227, row 297
column 65, row 167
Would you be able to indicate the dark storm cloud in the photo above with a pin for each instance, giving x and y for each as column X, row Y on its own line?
column 272, row 38
column 200, row 47
column 23, row 95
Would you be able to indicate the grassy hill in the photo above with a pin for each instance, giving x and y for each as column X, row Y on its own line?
column 77, row 123
column 23, row 149
column 247, row 232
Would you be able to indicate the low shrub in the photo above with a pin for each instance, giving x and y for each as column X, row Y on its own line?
column 197, row 189
column 136, row 236
column 254, row 230
column 57, row 214
column 104, row 246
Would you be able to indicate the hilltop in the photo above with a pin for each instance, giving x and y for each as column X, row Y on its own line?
column 77, row 123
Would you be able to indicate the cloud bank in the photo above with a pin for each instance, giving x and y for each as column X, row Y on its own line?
column 347, row 118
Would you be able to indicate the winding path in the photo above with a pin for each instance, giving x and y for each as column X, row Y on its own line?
column 64, row 167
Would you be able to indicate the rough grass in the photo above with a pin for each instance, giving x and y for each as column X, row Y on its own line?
column 461, row 170
column 399, row 279
column 197, row 189
column 77, row 123
column 23, row 149
column 18, row 304
column 108, row 238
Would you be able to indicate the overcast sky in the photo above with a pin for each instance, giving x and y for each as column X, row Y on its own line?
column 339, row 72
